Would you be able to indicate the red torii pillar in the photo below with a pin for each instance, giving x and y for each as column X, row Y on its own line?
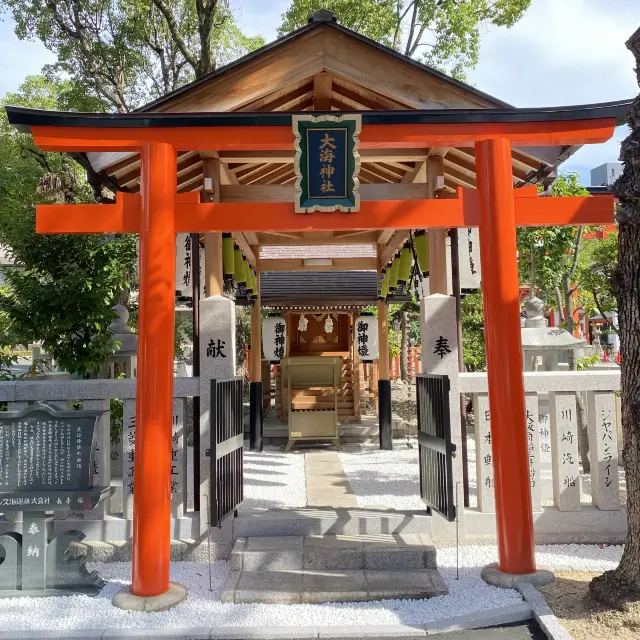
column 501, row 293
column 154, row 394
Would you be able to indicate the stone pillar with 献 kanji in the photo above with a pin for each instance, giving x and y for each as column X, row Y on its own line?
column 439, row 339
column 603, row 450
column 217, row 361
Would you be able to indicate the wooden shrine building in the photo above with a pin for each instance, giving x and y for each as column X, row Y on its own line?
column 217, row 156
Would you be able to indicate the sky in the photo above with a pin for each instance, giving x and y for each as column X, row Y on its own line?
column 561, row 52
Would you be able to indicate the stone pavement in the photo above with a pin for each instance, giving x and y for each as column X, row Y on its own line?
column 327, row 483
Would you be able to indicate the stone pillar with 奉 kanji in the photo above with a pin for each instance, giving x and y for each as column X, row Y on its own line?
column 438, row 327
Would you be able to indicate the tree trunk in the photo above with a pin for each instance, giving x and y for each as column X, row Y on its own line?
column 623, row 584
column 404, row 347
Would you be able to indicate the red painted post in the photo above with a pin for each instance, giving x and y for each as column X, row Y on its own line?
column 154, row 395
column 514, row 522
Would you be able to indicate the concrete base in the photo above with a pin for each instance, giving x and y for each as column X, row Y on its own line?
column 126, row 600
column 493, row 576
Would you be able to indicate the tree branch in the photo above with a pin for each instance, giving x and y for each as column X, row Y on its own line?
column 601, row 312
column 165, row 10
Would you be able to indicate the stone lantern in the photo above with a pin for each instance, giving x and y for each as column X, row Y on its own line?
column 542, row 344
column 124, row 360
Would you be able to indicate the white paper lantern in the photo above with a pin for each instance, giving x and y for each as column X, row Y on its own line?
column 274, row 338
column 365, row 337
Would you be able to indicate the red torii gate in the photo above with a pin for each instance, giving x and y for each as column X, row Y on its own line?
column 159, row 212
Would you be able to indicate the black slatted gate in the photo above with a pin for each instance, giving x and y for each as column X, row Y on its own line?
column 434, row 444
column 227, row 445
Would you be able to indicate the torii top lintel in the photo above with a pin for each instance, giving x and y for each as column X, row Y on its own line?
column 58, row 131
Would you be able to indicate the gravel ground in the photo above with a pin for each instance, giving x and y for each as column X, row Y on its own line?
column 203, row 607
column 582, row 616
column 274, row 479
column 384, row 478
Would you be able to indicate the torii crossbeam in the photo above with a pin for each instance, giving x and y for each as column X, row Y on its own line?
column 159, row 212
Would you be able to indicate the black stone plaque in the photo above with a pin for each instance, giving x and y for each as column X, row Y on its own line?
column 45, row 466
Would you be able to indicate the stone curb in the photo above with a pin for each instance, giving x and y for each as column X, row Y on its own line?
column 545, row 617
column 491, row 617
column 501, row 615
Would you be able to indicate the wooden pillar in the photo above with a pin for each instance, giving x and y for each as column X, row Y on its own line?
column 154, row 395
column 383, row 341
column 509, row 443
column 437, row 237
column 256, row 326
column 384, row 384
column 255, row 388
column 213, row 275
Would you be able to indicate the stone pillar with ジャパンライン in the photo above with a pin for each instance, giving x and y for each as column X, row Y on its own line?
column 514, row 521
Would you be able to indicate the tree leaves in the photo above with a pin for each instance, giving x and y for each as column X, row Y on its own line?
column 444, row 34
column 65, row 286
column 127, row 52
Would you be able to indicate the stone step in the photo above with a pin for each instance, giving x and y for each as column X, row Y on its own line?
column 406, row 552
column 314, row 587
column 339, row 521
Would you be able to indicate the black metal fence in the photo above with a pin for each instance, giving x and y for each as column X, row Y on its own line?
column 435, row 448
column 227, row 444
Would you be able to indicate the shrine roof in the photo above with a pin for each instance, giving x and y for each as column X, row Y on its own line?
column 319, row 288
column 23, row 118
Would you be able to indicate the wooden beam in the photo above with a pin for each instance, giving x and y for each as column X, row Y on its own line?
column 339, row 264
column 437, row 237
column 241, row 240
column 286, row 193
column 391, row 248
column 256, row 325
column 417, row 174
column 315, row 238
column 322, row 91
column 367, row 155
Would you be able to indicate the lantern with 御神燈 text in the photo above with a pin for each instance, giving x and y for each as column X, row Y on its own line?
column 274, row 338
column 365, row 337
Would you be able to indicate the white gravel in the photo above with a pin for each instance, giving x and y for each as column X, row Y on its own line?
column 384, row 478
column 274, row 479
column 204, row 609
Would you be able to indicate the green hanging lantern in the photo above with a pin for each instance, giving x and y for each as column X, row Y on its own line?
column 421, row 244
column 227, row 256
column 247, row 276
column 238, row 267
column 385, row 284
column 381, row 283
column 405, row 265
column 395, row 272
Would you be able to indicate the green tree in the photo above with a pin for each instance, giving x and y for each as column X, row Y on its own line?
column 472, row 319
column 63, row 292
column 442, row 33
column 596, row 272
column 126, row 52
column 401, row 319
column 623, row 584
